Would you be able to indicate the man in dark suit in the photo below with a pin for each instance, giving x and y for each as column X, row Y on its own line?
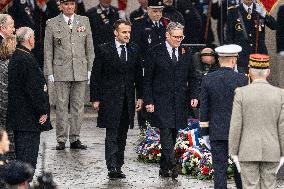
column 169, row 84
column 102, row 17
column 28, row 105
column 245, row 23
column 216, row 101
column 115, row 75
column 140, row 12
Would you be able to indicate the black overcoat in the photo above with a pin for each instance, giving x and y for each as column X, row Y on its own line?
column 280, row 29
column 169, row 86
column 27, row 93
column 112, row 81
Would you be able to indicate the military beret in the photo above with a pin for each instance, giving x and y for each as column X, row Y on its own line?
column 64, row 1
column 207, row 52
column 228, row 50
column 17, row 172
column 155, row 4
column 259, row 61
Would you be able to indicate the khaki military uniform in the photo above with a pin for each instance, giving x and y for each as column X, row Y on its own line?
column 68, row 56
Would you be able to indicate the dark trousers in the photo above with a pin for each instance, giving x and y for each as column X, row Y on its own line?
column 27, row 146
column 168, row 141
column 219, row 150
column 115, row 141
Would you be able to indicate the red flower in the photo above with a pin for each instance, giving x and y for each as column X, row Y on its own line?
column 205, row 170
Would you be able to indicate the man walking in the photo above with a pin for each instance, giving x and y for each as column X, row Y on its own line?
column 256, row 140
column 216, row 100
column 170, row 81
column 69, row 55
column 116, row 74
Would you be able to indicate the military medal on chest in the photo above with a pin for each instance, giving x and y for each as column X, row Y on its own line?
column 149, row 39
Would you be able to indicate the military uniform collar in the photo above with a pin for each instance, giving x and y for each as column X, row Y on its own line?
column 226, row 68
column 259, row 81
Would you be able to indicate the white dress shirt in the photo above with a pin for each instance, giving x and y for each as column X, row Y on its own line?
column 118, row 48
column 170, row 50
column 66, row 18
column 247, row 7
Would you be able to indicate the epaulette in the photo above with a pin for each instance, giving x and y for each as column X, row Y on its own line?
column 233, row 7
column 138, row 18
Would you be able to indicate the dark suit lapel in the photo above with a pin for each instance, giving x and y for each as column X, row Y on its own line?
column 113, row 52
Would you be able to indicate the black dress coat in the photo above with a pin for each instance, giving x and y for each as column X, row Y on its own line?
column 169, row 87
column 136, row 14
column 216, row 100
column 102, row 24
column 280, row 29
column 27, row 93
column 236, row 35
column 113, row 82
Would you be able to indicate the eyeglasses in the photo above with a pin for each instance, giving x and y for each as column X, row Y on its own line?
column 178, row 37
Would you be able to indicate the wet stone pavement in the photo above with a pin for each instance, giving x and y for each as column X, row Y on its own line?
column 87, row 169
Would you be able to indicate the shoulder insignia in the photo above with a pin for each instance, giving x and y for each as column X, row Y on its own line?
column 138, row 18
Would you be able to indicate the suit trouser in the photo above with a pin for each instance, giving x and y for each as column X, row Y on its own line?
column 168, row 141
column 27, row 146
column 115, row 141
column 72, row 92
column 219, row 150
column 258, row 175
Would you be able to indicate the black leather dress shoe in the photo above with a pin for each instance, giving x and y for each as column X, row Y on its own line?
column 78, row 145
column 164, row 173
column 175, row 171
column 60, row 146
column 120, row 174
column 112, row 173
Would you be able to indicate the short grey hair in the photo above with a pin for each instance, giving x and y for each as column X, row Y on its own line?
column 23, row 34
column 3, row 20
column 259, row 72
column 174, row 26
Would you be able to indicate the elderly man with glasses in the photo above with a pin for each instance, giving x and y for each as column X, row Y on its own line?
column 170, row 82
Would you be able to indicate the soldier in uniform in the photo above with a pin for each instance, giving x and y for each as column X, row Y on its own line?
column 216, row 100
column 102, row 17
column 28, row 104
column 140, row 12
column 171, row 12
column 33, row 14
column 69, row 56
column 247, row 22
column 256, row 140
column 192, row 18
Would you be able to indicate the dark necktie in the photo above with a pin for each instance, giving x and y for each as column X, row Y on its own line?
column 174, row 57
column 157, row 24
column 123, row 53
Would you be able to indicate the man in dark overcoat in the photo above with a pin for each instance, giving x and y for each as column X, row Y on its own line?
column 246, row 27
column 28, row 105
column 216, row 101
column 102, row 17
column 115, row 75
column 169, row 84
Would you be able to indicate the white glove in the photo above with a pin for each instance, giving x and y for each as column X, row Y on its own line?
column 237, row 163
column 50, row 78
column 207, row 142
column 89, row 77
column 281, row 162
column 281, row 53
column 260, row 10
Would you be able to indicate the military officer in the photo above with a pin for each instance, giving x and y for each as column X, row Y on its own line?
column 247, row 21
column 150, row 30
column 216, row 100
column 102, row 17
column 68, row 59
column 140, row 12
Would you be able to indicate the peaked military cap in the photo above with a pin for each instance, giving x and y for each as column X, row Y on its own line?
column 207, row 52
column 259, row 61
column 155, row 4
column 64, row 1
column 228, row 50
column 17, row 172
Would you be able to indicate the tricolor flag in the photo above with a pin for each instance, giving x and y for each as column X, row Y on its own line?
column 193, row 136
column 268, row 4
